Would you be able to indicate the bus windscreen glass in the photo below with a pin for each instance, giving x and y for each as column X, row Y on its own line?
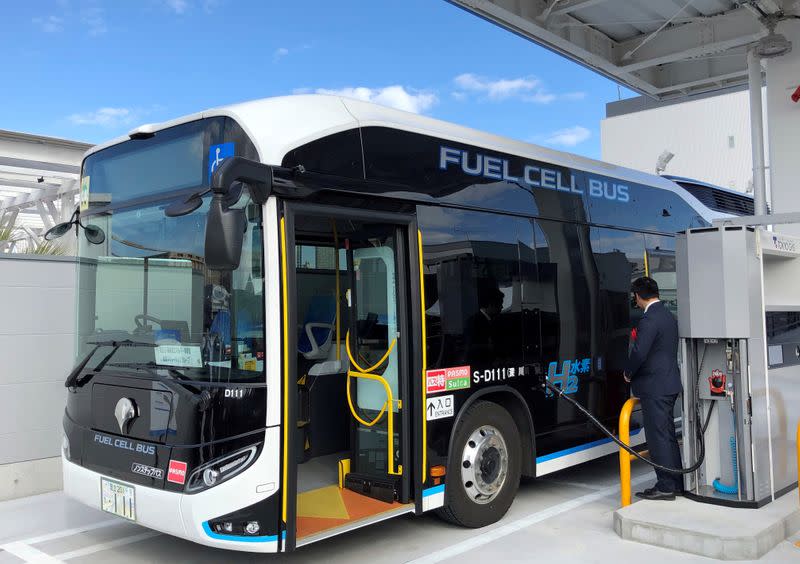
column 172, row 160
column 147, row 284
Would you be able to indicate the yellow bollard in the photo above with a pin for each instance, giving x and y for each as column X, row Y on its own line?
column 624, row 455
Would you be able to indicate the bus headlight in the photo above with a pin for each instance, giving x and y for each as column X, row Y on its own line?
column 221, row 469
column 210, row 476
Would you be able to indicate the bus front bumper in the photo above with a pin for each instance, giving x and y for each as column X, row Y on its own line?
column 187, row 516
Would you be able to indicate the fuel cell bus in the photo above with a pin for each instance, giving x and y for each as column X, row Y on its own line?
column 301, row 315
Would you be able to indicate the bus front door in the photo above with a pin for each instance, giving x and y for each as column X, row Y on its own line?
column 349, row 323
column 375, row 397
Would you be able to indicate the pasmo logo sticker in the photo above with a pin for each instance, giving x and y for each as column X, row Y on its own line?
column 176, row 472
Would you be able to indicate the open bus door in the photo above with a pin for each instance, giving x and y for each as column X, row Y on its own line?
column 351, row 330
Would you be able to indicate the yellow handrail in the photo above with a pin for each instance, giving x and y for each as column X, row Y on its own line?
column 624, row 456
column 390, row 420
column 374, row 366
column 389, row 403
column 350, row 398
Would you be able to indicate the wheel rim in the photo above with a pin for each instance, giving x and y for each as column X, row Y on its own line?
column 484, row 464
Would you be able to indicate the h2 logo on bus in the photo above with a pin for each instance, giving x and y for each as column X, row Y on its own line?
column 567, row 380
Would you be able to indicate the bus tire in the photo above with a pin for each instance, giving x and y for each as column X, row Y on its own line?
column 484, row 469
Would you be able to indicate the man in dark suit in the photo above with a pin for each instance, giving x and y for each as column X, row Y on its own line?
column 652, row 370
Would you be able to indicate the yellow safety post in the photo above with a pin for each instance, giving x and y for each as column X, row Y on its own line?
column 624, row 456
column 797, row 447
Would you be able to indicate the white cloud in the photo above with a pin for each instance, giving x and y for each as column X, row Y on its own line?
column 177, row 6
column 540, row 97
column 280, row 53
column 395, row 96
column 113, row 117
column 527, row 89
column 210, row 5
column 568, row 137
column 94, row 19
column 50, row 24
column 497, row 89
column 105, row 117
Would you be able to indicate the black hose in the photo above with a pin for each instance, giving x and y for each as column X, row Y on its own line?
column 708, row 417
column 614, row 438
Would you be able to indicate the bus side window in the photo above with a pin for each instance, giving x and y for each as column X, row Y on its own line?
column 661, row 266
column 478, row 311
column 620, row 259
column 644, row 208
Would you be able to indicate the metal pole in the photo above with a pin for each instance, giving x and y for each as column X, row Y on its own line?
column 757, row 132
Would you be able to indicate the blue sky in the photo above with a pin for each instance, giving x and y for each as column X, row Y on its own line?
column 92, row 69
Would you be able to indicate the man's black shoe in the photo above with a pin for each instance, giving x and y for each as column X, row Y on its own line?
column 653, row 493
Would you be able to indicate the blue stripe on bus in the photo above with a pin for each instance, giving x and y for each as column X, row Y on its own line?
column 213, row 535
column 433, row 491
column 579, row 448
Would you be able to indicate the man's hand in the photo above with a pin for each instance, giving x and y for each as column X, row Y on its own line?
column 627, row 377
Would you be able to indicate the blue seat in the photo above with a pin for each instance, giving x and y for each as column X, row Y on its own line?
column 314, row 340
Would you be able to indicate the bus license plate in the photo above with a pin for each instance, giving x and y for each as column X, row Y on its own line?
column 118, row 499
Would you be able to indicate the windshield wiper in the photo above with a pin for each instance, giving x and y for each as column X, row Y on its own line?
column 72, row 379
column 122, row 343
column 201, row 398
column 117, row 345
column 151, row 367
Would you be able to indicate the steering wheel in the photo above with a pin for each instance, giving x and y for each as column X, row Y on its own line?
column 140, row 319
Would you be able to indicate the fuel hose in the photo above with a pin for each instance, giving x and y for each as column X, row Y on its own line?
column 700, row 432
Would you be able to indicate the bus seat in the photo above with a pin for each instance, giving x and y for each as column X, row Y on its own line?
column 330, row 365
column 316, row 334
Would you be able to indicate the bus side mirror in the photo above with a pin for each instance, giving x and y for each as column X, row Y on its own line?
column 225, row 226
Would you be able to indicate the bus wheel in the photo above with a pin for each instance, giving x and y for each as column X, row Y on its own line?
column 484, row 467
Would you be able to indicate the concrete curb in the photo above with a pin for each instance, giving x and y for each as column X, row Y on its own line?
column 708, row 530
column 32, row 477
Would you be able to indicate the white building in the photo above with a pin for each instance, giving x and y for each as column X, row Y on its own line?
column 38, row 188
column 709, row 136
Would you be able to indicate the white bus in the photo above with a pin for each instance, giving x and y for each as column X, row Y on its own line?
column 301, row 315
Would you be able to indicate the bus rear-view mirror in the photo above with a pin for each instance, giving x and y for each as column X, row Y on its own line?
column 225, row 225
column 225, row 229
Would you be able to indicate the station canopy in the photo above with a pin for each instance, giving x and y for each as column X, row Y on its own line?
column 39, row 179
column 663, row 48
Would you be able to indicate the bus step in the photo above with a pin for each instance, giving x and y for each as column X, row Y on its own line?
column 376, row 488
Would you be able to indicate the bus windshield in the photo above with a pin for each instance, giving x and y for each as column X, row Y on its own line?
column 147, row 282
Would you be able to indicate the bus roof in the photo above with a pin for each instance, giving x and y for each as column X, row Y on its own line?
column 278, row 125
